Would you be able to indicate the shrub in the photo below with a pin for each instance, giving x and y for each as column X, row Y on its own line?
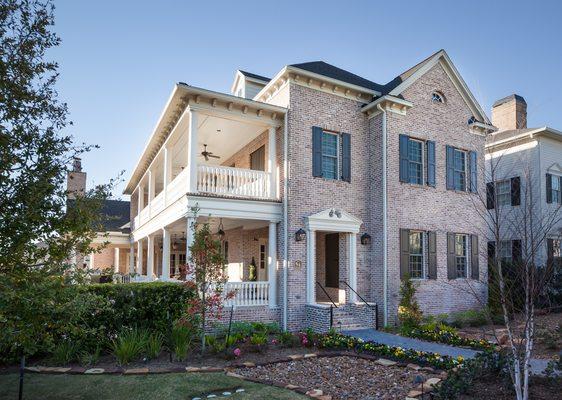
column 65, row 352
column 181, row 338
column 473, row 318
column 90, row 358
column 216, row 345
column 258, row 340
column 286, row 339
column 129, row 345
column 409, row 312
column 153, row 345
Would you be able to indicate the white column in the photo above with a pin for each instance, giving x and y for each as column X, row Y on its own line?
column 131, row 258
column 271, row 164
column 167, row 173
column 139, row 257
column 165, row 255
column 310, row 266
column 116, row 259
column 352, row 249
column 91, row 261
column 272, row 264
column 150, row 257
column 190, row 236
column 140, row 193
column 193, row 151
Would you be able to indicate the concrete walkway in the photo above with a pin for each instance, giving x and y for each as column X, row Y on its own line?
column 371, row 335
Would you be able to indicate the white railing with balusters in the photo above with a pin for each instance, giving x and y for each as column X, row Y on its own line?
column 157, row 204
column 177, row 187
column 247, row 293
column 233, row 181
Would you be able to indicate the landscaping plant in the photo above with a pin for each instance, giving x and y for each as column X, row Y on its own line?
column 409, row 313
column 129, row 345
column 64, row 353
column 153, row 345
column 181, row 338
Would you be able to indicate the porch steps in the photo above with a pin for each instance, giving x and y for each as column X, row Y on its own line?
column 345, row 320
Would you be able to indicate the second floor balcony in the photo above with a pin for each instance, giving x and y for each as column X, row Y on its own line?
column 210, row 153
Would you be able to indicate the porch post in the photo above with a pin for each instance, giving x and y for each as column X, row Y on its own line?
column 140, row 193
column 165, row 254
column 116, row 259
column 139, row 257
column 151, row 179
column 272, row 156
column 150, row 257
column 189, row 235
column 193, row 151
column 91, row 260
column 167, row 173
column 272, row 264
column 310, row 266
column 352, row 249
column 131, row 258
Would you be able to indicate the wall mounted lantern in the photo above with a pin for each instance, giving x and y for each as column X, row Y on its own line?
column 221, row 231
column 365, row 238
column 300, row 235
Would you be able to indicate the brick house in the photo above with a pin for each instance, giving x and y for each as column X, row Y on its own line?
column 325, row 188
column 114, row 232
column 524, row 171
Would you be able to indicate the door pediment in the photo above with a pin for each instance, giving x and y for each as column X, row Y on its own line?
column 333, row 220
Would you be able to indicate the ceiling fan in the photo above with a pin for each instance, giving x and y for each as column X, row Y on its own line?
column 207, row 154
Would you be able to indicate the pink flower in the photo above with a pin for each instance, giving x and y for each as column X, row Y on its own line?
column 237, row 352
column 274, row 341
column 304, row 341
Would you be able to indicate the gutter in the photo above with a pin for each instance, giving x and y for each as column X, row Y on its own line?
column 285, row 220
column 384, row 218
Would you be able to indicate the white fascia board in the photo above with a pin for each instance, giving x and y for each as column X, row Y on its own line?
column 237, row 76
column 384, row 98
column 545, row 130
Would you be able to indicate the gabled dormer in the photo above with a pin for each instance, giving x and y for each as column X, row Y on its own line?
column 247, row 85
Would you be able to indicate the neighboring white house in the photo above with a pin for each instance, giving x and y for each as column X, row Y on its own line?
column 524, row 171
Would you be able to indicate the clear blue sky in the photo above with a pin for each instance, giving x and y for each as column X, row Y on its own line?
column 120, row 59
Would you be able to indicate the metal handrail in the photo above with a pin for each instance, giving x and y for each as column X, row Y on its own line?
column 375, row 306
column 331, row 305
column 326, row 293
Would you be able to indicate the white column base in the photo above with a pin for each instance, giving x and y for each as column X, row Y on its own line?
column 272, row 264
column 311, row 266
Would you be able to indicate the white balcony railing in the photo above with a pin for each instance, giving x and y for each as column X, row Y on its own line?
column 247, row 293
column 233, row 181
column 157, row 204
column 177, row 187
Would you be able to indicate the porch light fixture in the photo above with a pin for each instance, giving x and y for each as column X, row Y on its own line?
column 365, row 238
column 300, row 235
column 220, row 232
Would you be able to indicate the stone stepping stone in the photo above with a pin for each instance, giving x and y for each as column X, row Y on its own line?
column 136, row 371
column 240, row 390
column 226, row 393
column 95, row 371
column 60, row 370
column 385, row 362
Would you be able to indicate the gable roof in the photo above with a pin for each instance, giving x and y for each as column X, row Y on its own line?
column 513, row 135
column 331, row 71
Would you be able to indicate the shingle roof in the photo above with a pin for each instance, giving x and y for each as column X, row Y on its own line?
column 116, row 214
column 331, row 71
column 502, row 135
column 255, row 76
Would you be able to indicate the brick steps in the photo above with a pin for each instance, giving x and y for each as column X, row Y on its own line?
column 345, row 320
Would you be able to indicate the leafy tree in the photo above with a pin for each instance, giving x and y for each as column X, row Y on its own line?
column 409, row 312
column 38, row 234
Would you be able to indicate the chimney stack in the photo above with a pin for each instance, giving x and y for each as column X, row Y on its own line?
column 510, row 113
column 76, row 180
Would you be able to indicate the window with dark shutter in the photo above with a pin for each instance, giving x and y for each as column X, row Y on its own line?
column 430, row 157
column 473, row 165
column 450, row 162
column 404, row 159
column 451, row 265
column 491, row 252
column 548, row 188
column 516, row 254
column 515, row 191
column 474, row 259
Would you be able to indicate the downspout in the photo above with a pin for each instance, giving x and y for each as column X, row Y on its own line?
column 285, row 219
column 384, row 219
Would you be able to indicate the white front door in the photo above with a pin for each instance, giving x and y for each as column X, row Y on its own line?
column 262, row 260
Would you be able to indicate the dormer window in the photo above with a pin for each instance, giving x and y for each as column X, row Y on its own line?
column 437, row 97
column 471, row 120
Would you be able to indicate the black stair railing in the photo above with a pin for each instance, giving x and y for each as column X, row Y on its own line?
column 375, row 306
column 331, row 305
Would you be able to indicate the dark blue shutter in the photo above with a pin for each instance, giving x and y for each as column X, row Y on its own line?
column 490, row 195
column 404, row 160
column 316, row 151
column 548, row 188
column 430, row 154
column 515, row 191
column 516, row 252
column 450, row 167
column 473, row 157
column 346, row 157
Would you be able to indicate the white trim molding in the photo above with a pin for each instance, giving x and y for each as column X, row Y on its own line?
column 333, row 220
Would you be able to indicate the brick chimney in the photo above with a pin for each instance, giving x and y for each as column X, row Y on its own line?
column 76, row 180
column 510, row 113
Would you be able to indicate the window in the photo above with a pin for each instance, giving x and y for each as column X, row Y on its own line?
column 459, row 165
column 506, row 251
column 416, row 255
column 437, row 97
column 554, row 251
column 471, row 120
column 415, row 156
column 461, row 255
column 262, row 256
column 503, row 193
column 556, row 190
column 330, row 155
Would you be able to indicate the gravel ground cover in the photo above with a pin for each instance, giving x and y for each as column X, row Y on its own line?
column 342, row 377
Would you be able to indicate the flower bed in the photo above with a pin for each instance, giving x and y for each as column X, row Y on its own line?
column 448, row 337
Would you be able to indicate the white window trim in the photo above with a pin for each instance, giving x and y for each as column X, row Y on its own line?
column 466, row 172
column 423, row 157
column 509, row 246
column 440, row 95
column 338, row 155
column 424, row 253
column 497, row 183
column 466, row 256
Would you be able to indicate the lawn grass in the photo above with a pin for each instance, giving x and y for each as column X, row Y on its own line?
column 139, row 387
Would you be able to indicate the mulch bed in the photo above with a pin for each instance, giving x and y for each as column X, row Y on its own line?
column 342, row 377
column 490, row 388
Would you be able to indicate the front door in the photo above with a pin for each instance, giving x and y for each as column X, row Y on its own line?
column 333, row 260
column 262, row 260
